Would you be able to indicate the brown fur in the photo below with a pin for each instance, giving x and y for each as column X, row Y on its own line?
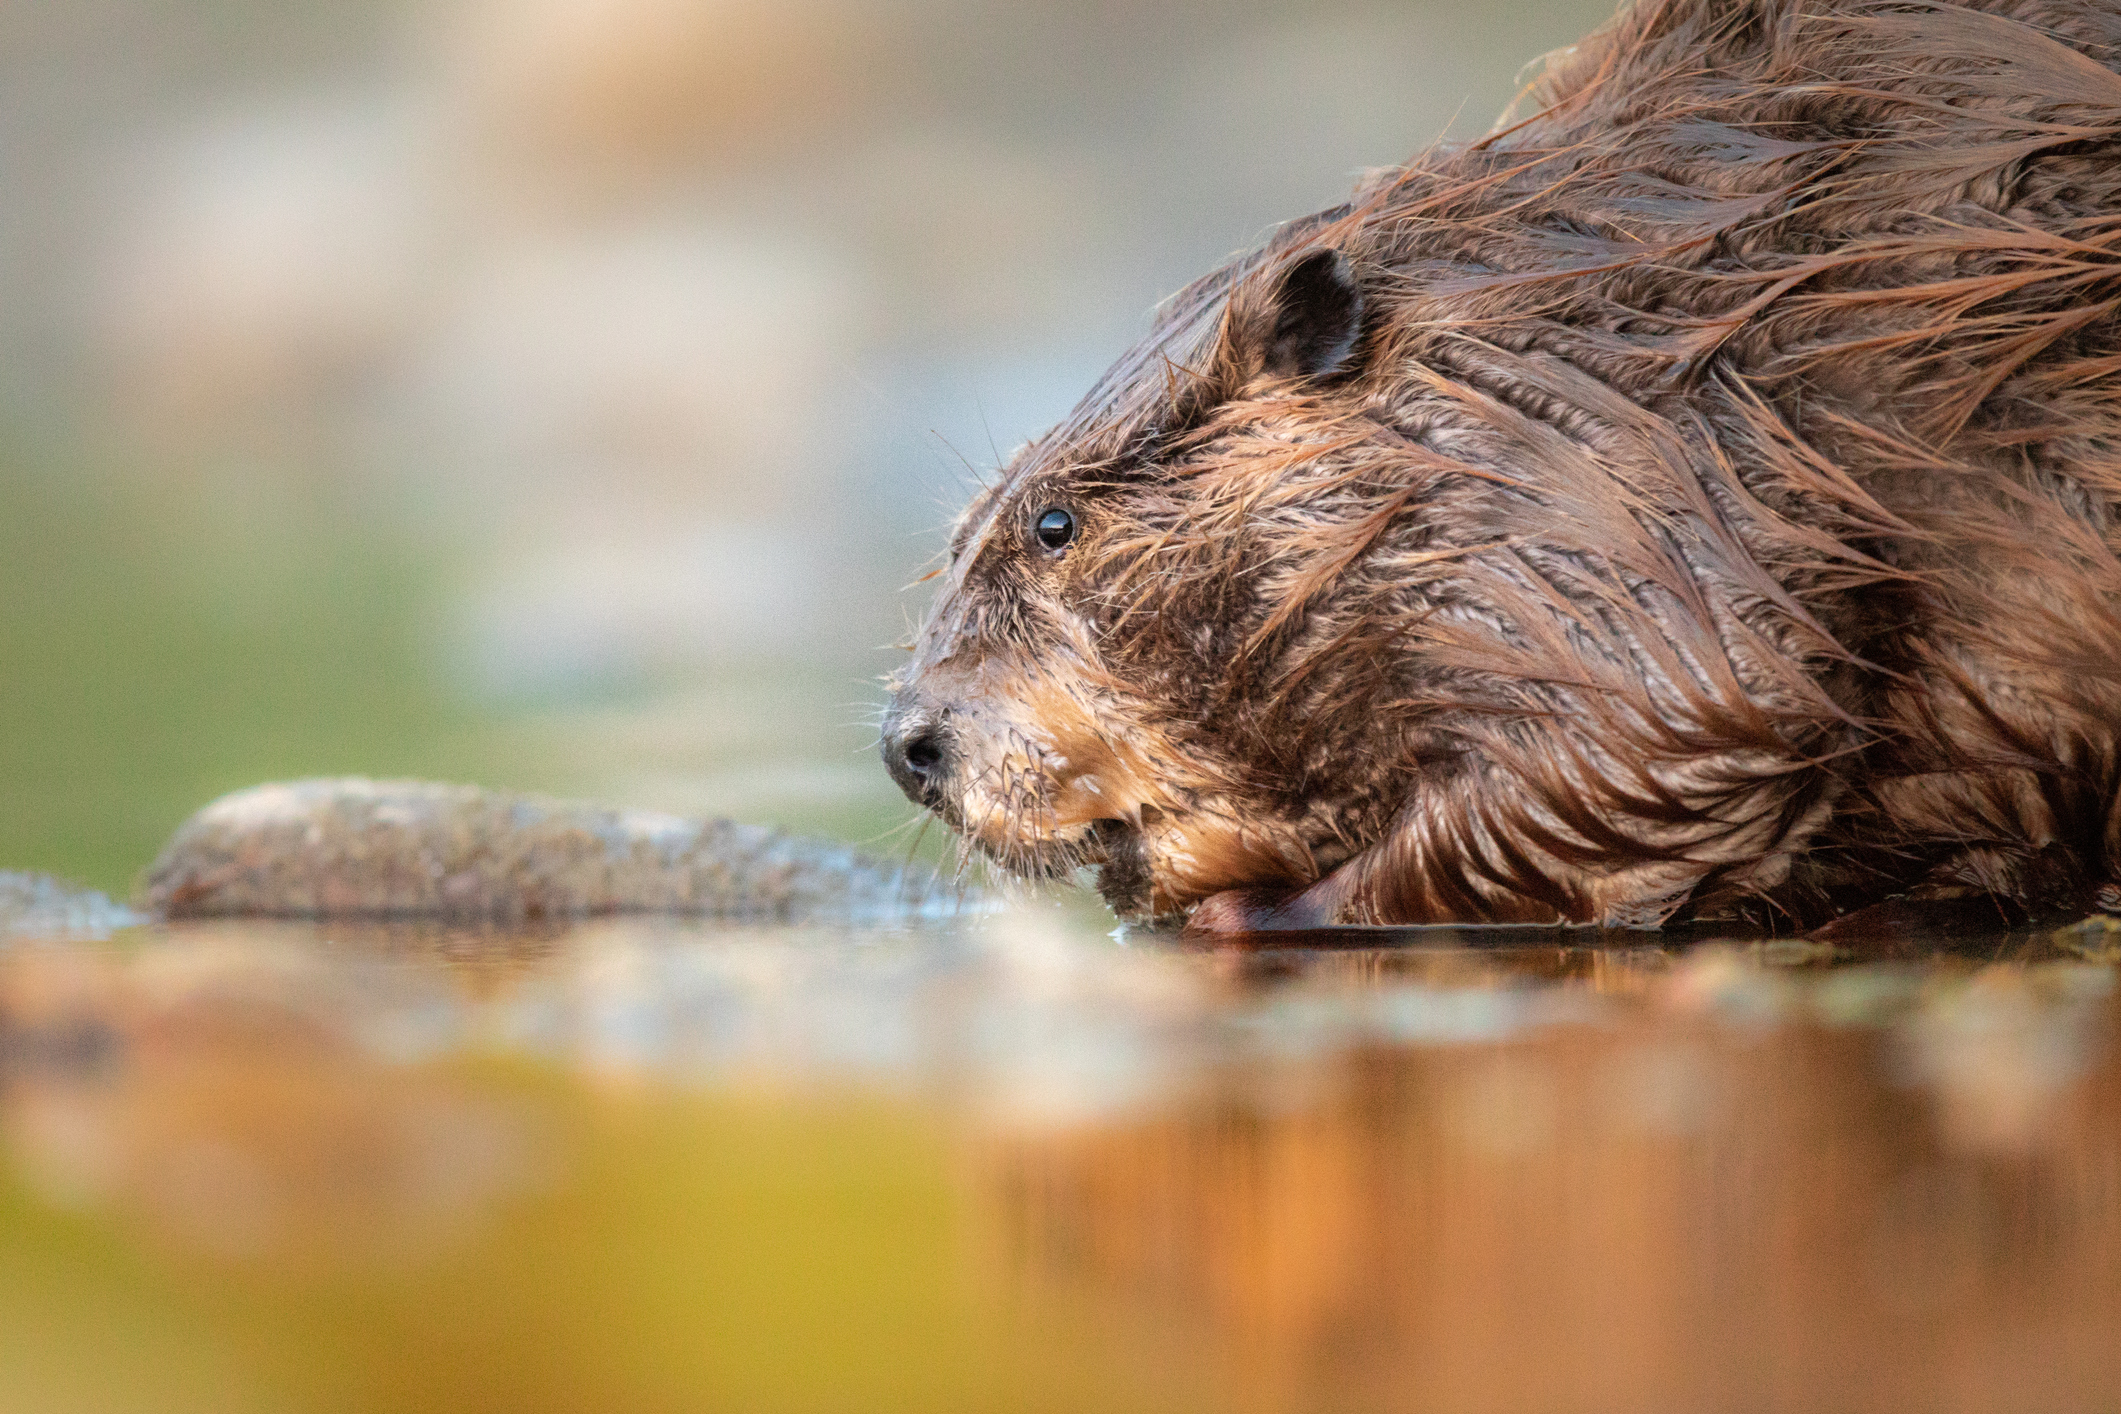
column 1717, row 516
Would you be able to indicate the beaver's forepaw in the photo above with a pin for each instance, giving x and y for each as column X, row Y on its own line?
column 1253, row 910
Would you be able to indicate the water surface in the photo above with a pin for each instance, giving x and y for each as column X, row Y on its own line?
column 1015, row 1163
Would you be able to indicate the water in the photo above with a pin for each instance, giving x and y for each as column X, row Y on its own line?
column 1015, row 1163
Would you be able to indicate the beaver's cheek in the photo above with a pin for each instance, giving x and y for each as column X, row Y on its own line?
column 1110, row 792
column 1083, row 800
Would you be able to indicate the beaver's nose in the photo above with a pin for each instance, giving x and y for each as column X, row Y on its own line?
column 917, row 754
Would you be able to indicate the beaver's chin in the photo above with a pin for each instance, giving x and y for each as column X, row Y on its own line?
column 1055, row 855
column 1124, row 854
column 1116, row 849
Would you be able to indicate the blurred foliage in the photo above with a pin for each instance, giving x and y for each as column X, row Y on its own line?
column 130, row 695
column 160, row 647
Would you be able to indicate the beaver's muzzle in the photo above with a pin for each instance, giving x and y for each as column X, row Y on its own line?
column 917, row 752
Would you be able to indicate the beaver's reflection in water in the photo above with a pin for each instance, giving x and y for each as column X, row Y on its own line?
column 1734, row 1191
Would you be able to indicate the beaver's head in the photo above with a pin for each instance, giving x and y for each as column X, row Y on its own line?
column 1148, row 653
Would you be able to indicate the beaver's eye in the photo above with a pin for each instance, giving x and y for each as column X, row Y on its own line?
column 1054, row 528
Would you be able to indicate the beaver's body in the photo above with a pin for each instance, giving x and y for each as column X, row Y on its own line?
column 1699, row 497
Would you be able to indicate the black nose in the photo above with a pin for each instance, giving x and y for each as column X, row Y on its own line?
column 917, row 754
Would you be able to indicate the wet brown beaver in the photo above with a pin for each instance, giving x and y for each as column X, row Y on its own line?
column 1697, row 499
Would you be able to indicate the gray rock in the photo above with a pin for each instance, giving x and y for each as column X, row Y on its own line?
column 39, row 906
column 413, row 849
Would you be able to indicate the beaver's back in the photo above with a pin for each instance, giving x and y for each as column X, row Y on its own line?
column 1869, row 258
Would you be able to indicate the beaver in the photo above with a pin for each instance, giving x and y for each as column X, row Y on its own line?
column 1693, row 501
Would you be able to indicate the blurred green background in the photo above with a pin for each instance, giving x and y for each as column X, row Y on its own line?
column 557, row 394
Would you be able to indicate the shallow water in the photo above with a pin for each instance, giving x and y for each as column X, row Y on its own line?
column 1017, row 1164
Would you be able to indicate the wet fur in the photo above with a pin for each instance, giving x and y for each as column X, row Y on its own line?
column 1715, row 517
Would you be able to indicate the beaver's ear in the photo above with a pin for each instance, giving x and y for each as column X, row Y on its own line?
column 1314, row 321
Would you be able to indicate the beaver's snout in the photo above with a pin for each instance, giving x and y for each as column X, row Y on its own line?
column 917, row 753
